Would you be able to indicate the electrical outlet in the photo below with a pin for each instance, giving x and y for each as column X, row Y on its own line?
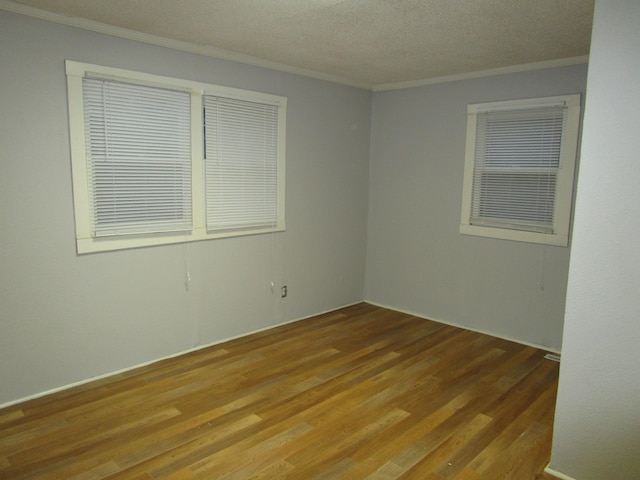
column 283, row 291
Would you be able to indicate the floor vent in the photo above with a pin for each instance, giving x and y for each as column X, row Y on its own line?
column 552, row 356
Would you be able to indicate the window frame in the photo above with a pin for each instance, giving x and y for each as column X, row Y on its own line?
column 86, row 242
column 565, row 172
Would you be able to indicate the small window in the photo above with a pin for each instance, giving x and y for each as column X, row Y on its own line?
column 519, row 168
column 159, row 160
column 138, row 153
column 241, row 164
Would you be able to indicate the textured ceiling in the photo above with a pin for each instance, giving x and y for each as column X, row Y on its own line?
column 367, row 43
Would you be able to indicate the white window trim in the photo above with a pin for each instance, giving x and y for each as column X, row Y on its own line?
column 562, row 212
column 88, row 243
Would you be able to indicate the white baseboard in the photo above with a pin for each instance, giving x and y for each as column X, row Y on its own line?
column 217, row 342
column 555, row 473
column 173, row 355
column 465, row 327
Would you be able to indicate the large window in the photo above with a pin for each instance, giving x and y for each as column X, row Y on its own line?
column 160, row 160
column 519, row 169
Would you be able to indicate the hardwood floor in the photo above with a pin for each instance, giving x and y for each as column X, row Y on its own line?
column 360, row 393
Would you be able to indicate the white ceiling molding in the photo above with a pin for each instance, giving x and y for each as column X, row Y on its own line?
column 562, row 62
column 86, row 24
column 375, row 46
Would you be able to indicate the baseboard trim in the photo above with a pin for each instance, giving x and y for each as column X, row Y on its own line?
column 465, row 327
column 218, row 342
column 167, row 357
column 557, row 474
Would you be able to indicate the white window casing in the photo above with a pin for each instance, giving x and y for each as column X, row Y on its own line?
column 519, row 169
column 140, row 176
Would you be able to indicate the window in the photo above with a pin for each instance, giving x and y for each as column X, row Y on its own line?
column 519, row 168
column 159, row 160
column 138, row 142
column 241, row 163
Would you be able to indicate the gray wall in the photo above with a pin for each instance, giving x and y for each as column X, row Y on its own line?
column 416, row 259
column 66, row 318
column 597, row 423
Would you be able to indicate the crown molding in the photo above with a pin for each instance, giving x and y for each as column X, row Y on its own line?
column 205, row 50
column 221, row 54
column 561, row 62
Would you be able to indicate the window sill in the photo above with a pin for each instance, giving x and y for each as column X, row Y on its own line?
column 515, row 235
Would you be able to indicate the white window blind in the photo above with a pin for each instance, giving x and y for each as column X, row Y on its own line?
column 138, row 141
column 517, row 158
column 241, row 164
column 519, row 163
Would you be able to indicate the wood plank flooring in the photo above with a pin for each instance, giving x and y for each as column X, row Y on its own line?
column 360, row 393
